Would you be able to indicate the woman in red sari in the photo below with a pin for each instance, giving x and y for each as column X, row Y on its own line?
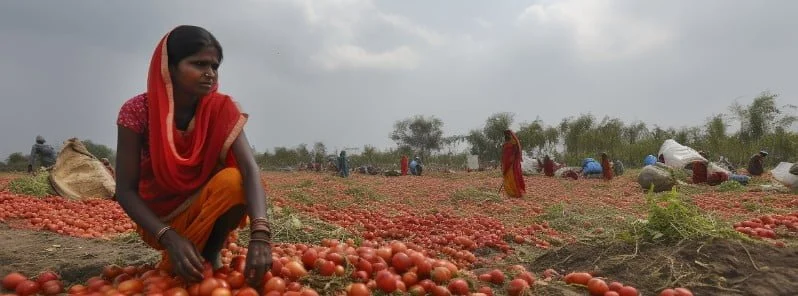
column 404, row 165
column 511, row 165
column 606, row 167
column 185, row 170
column 548, row 166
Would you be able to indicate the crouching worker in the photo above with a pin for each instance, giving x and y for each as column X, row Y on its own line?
column 185, row 170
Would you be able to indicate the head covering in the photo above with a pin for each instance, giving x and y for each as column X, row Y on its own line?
column 40, row 139
column 183, row 162
column 763, row 153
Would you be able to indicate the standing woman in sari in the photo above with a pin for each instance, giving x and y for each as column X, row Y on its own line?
column 606, row 167
column 185, row 170
column 404, row 165
column 514, row 184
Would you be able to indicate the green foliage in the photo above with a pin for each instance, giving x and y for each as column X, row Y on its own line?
column 99, row 150
column 730, row 185
column 671, row 217
column 425, row 134
column 37, row 185
column 15, row 162
column 475, row 195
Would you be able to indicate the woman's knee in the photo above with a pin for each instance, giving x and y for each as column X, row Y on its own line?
column 229, row 184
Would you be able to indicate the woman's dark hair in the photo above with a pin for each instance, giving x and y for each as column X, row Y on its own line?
column 185, row 41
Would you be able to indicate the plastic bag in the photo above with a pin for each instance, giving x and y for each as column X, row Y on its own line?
column 782, row 174
column 677, row 155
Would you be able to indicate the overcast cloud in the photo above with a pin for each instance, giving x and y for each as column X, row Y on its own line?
column 342, row 71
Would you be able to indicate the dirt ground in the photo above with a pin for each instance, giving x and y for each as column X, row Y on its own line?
column 75, row 259
column 716, row 267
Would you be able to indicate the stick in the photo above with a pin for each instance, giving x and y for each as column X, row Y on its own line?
column 500, row 189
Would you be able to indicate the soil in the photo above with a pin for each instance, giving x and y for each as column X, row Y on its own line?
column 75, row 259
column 711, row 267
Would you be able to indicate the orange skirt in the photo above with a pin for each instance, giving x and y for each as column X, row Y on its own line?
column 224, row 191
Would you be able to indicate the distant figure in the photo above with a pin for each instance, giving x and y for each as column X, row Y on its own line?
column 661, row 158
column 756, row 163
column 606, row 167
column 617, row 167
column 514, row 184
column 108, row 167
column 45, row 153
column 700, row 172
column 343, row 165
column 548, row 166
column 415, row 166
column 404, row 165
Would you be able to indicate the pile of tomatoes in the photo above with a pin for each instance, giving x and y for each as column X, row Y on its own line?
column 599, row 287
column 91, row 218
column 765, row 226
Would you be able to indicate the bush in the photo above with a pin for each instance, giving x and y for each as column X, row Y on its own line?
column 38, row 185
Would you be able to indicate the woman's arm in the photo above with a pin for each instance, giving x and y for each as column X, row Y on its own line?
column 128, row 162
column 259, row 254
column 253, row 188
column 185, row 257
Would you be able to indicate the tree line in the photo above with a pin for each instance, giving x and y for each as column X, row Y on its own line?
column 761, row 125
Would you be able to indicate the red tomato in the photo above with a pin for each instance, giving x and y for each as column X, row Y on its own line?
column 597, row 287
column 11, row 280
column 46, row 277
column 458, row 287
column 27, row 287
column 247, row 292
column 357, row 289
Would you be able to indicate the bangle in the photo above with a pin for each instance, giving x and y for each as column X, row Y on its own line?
column 162, row 232
column 263, row 240
column 260, row 225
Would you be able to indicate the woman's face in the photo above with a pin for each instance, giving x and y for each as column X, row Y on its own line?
column 197, row 74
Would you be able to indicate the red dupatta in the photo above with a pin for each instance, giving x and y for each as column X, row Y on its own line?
column 182, row 162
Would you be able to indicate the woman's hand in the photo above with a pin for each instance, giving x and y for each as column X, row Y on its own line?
column 186, row 260
column 259, row 261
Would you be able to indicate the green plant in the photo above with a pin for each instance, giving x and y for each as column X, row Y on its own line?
column 671, row 217
column 37, row 185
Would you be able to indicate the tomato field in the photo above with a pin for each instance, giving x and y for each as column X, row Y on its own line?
column 443, row 234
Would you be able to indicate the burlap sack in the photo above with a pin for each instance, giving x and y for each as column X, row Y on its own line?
column 77, row 174
column 656, row 175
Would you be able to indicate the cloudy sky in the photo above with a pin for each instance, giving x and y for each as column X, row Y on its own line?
column 342, row 71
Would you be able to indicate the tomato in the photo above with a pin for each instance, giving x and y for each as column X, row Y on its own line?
column 247, row 291
column 46, row 277
column 207, row 286
column 295, row 270
column 357, row 289
column 628, row 291
column 683, row 292
column 496, row 277
column 597, row 287
column 615, row 286
column 441, row 275
column 401, row 262
column 517, row 287
column 579, row 278
column 176, row 292
column 458, row 287
column 275, row 284
column 53, row 287
column 309, row 258
column 27, row 287
column 236, row 280
column 386, row 281
column 130, row 287
column 11, row 280
column 667, row 292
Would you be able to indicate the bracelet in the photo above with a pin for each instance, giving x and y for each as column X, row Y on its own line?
column 263, row 240
column 260, row 225
column 162, row 232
